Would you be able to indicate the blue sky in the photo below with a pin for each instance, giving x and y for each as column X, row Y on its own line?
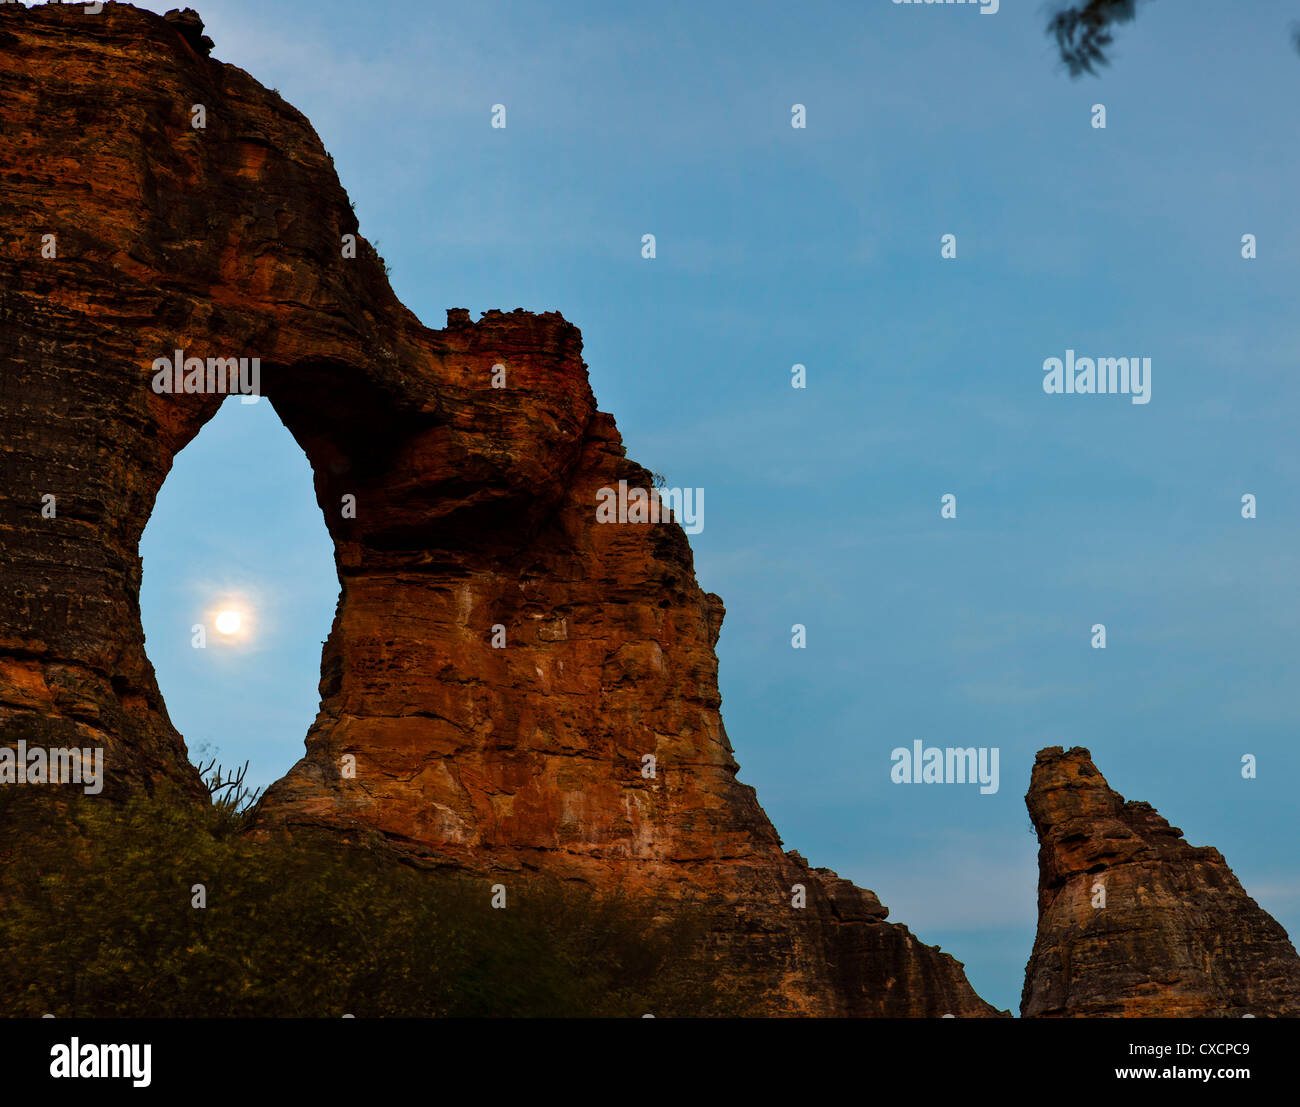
column 821, row 246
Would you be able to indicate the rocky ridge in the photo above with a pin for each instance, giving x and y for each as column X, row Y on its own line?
column 1133, row 921
column 458, row 510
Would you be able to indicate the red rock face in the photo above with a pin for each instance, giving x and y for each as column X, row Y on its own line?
column 460, row 511
column 1177, row 935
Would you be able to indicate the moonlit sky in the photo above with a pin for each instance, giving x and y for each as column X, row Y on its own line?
column 821, row 247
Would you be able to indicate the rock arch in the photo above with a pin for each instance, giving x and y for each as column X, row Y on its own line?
column 475, row 507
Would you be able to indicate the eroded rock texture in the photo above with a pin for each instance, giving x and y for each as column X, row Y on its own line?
column 1178, row 935
column 474, row 514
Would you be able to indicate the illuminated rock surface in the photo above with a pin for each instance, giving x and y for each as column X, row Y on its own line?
column 474, row 509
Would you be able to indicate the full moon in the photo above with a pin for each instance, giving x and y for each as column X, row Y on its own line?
column 228, row 622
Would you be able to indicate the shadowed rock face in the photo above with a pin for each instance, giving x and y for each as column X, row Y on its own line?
column 474, row 513
column 1178, row 936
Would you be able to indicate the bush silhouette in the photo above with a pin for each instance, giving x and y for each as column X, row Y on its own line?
column 96, row 920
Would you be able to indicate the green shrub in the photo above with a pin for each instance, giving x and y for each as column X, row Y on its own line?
column 96, row 920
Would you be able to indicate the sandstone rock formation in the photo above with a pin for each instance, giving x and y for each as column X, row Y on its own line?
column 1178, row 935
column 190, row 26
column 129, row 234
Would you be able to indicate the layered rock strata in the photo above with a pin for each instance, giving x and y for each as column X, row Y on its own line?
column 503, row 670
column 1133, row 921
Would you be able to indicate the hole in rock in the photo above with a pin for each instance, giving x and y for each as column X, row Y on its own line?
column 236, row 546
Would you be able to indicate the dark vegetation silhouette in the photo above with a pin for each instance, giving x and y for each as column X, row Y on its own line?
column 1084, row 32
column 97, row 919
column 231, row 798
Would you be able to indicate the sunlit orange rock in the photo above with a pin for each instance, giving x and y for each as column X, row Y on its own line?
column 460, row 513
